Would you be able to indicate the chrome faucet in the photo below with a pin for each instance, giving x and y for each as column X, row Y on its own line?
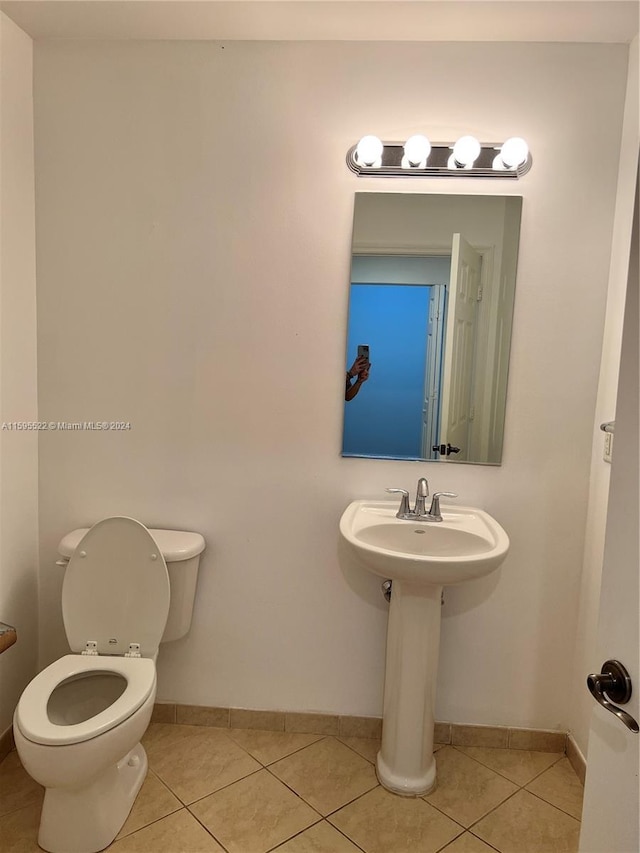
column 419, row 513
column 422, row 493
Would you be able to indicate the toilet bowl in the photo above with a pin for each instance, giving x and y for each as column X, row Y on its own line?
column 78, row 724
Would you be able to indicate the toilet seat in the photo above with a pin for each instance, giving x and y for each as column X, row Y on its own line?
column 115, row 591
column 31, row 713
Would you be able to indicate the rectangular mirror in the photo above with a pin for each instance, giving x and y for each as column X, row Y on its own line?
column 431, row 296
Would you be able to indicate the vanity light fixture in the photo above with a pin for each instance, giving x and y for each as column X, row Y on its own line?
column 513, row 153
column 417, row 157
column 416, row 152
column 368, row 152
column 465, row 153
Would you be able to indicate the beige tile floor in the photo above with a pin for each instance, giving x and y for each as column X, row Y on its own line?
column 212, row 790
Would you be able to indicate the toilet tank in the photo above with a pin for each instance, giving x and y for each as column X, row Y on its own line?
column 181, row 551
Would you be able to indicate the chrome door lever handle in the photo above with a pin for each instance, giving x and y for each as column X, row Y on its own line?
column 613, row 683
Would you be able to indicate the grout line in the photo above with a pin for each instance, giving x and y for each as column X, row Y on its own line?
column 344, row 835
column 150, row 823
column 482, row 764
column 206, row 829
column 350, row 802
column 553, row 805
column 355, row 750
column 295, row 751
column 537, row 776
column 501, row 773
column 448, row 816
column 278, row 779
column 223, row 788
column 318, row 738
column 444, row 848
column 306, row 802
column 281, row 844
column 497, row 849
column 491, row 811
column 520, row 788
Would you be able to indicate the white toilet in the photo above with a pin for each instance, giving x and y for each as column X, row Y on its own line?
column 78, row 724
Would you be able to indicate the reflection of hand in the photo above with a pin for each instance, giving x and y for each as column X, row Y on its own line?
column 364, row 374
column 358, row 366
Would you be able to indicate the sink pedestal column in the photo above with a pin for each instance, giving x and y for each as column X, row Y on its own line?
column 405, row 763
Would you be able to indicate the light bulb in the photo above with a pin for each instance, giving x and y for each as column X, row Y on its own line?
column 514, row 152
column 369, row 151
column 416, row 151
column 465, row 152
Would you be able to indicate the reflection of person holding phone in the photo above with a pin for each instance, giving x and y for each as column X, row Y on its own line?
column 360, row 371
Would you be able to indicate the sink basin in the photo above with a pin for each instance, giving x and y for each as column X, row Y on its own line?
column 420, row 558
column 468, row 543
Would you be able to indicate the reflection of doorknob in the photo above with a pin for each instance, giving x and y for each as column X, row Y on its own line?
column 445, row 449
column 613, row 683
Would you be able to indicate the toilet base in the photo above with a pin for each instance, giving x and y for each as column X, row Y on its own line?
column 87, row 819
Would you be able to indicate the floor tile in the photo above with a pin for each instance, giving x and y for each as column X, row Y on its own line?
column 17, row 788
column 201, row 763
column 380, row 822
column 19, row 831
column 326, row 774
column 160, row 736
column 254, row 814
column 468, row 843
column 517, row 765
column 465, row 789
column 366, row 747
column 178, row 833
column 154, row 801
column 267, row 747
column 526, row 824
column 320, row 838
column 560, row 786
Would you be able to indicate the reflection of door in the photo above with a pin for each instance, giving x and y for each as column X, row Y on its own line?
column 457, row 377
column 610, row 817
column 433, row 372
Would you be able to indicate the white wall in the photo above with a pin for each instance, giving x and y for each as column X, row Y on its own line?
column 194, row 230
column 585, row 660
column 18, row 394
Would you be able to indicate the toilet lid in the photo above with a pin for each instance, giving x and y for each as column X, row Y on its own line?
column 32, row 717
column 116, row 589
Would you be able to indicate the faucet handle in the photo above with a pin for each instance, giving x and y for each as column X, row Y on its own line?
column 405, row 509
column 434, row 511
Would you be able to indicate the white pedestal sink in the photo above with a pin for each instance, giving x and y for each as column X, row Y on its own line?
column 420, row 558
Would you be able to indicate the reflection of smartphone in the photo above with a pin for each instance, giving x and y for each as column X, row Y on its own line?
column 363, row 351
